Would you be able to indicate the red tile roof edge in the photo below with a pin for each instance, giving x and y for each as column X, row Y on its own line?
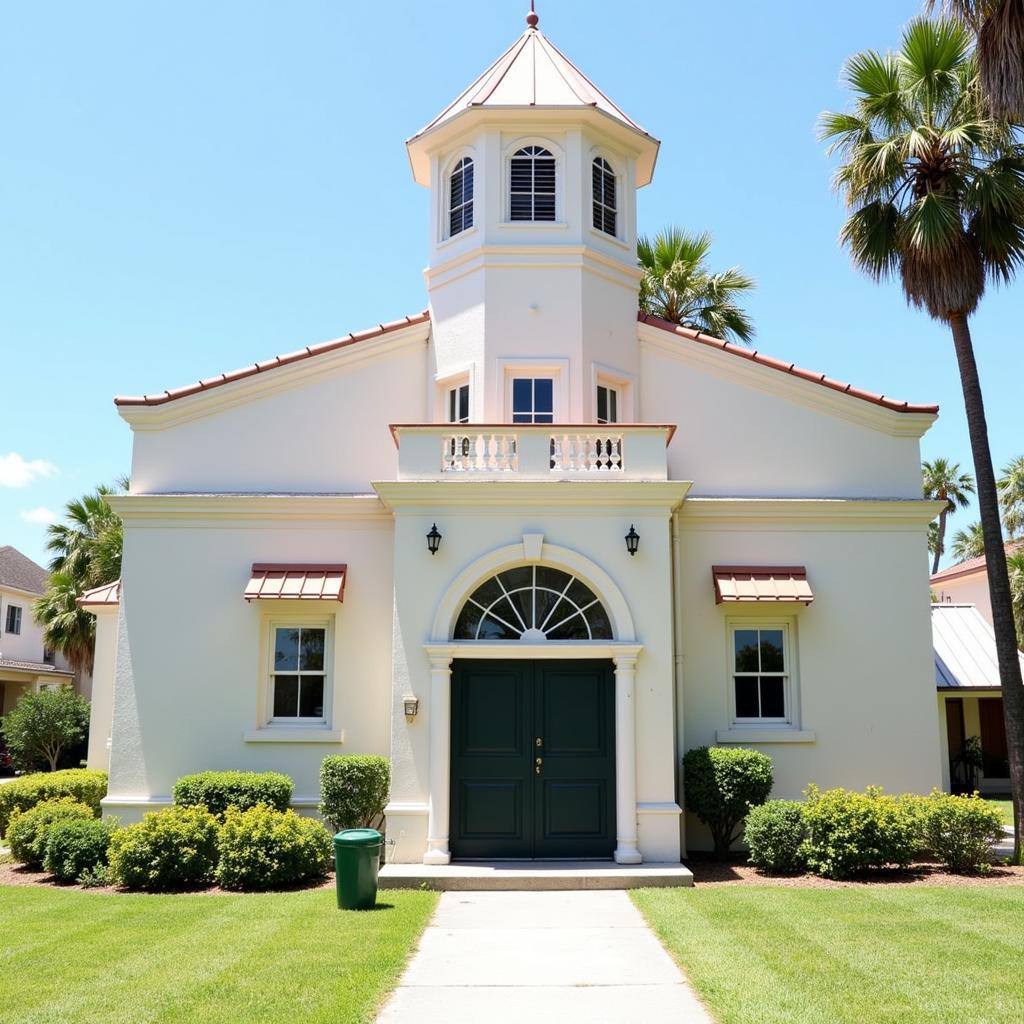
column 272, row 364
column 791, row 368
column 972, row 565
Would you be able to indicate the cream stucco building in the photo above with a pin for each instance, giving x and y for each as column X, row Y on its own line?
column 526, row 544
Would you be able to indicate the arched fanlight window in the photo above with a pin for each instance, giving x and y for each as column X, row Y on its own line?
column 460, row 197
column 533, row 603
column 605, row 200
column 532, row 184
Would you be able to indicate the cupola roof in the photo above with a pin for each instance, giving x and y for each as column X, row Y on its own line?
column 532, row 74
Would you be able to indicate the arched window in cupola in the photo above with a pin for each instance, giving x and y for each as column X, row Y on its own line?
column 460, row 197
column 605, row 198
column 532, row 184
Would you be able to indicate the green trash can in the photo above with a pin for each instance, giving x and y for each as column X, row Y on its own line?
column 356, row 861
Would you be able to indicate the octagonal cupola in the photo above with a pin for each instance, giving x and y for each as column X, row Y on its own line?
column 532, row 172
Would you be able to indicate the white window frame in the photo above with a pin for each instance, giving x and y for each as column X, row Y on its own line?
column 789, row 690
column 613, row 392
column 623, row 383
column 269, row 674
column 615, row 210
column 438, row 391
column 453, row 399
column 556, row 369
column 448, row 208
column 558, row 153
column 16, row 630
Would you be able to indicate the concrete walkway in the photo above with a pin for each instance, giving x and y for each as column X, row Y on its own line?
column 545, row 957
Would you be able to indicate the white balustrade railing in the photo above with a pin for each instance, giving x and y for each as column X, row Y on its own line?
column 473, row 452
column 586, row 453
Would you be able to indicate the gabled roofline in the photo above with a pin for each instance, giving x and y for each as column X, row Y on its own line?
column 789, row 368
column 309, row 352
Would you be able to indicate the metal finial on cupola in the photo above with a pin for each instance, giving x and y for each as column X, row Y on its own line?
column 532, row 19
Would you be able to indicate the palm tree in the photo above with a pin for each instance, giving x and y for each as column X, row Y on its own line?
column 1011, row 496
column 999, row 25
column 86, row 551
column 935, row 190
column 968, row 543
column 677, row 286
column 943, row 481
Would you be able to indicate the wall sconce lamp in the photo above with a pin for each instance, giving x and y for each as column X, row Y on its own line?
column 412, row 705
column 433, row 539
column 632, row 540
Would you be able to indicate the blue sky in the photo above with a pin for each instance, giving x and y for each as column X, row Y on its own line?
column 189, row 187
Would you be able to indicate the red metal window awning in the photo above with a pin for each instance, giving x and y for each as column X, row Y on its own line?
column 760, row 583
column 273, row 581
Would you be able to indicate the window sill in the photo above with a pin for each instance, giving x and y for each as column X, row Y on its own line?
column 534, row 225
column 293, row 734
column 754, row 734
column 449, row 240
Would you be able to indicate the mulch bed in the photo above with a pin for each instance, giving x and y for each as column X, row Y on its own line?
column 709, row 872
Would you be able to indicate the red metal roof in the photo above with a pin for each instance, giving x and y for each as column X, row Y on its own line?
column 758, row 583
column 791, row 368
column 272, row 364
column 275, row 581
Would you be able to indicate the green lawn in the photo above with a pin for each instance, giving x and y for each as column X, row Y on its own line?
column 760, row 955
column 73, row 957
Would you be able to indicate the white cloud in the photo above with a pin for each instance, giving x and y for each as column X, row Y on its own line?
column 42, row 515
column 18, row 472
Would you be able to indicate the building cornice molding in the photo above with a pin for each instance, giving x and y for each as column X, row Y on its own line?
column 807, row 393
column 139, row 509
column 275, row 380
column 473, row 495
column 713, row 513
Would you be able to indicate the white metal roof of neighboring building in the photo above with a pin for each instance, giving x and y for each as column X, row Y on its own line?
column 965, row 649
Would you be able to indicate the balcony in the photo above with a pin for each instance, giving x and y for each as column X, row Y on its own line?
column 504, row 451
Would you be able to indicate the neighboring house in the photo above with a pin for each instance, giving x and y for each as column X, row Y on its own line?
column 967, row 677
column 526, row 544
column 967, row 582
column 25, row 663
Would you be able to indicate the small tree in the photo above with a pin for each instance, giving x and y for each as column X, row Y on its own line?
column 43, row 725
column 721, row 785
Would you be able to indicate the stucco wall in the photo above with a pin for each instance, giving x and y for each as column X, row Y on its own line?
column 863, row 658
column 27, row 645
column 967, row 590
column 191, row 661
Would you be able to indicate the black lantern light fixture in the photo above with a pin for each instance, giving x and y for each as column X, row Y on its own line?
column 433, row 539
column 632, row 540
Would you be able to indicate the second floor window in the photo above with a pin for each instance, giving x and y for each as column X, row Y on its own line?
column 458, row 404
column 605, row 206
column 49, row 656
column 460, row 197
column 607, row 404
column 13, row 624
column 533, row 400
column 532, row 185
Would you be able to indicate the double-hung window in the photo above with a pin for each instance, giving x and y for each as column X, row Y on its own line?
column 533, row 400
column 761, row 673
column 13, row 624
column 532, row 185
column 298, row 674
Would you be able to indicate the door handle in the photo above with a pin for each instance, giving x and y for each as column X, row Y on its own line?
column 537, row 765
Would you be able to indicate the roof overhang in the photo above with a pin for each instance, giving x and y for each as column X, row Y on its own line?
column 643, row 147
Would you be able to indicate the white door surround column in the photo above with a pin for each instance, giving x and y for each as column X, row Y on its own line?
column 440, row 756
column 626, row 851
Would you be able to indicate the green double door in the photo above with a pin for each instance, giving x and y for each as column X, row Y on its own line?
column 533, row 759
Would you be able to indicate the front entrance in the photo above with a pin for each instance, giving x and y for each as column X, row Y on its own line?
column 533, row 759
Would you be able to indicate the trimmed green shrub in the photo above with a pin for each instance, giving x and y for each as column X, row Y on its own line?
column 75, row 848
column 960, row 830
column 28, row 831
column 849, row 833
column 261, row 848
column 84, row 785
column 774, row 834
column 721, row 785
column 353, row 790
column 217, row 791
column 171, row 849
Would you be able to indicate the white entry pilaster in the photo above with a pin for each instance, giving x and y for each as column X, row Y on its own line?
column 626, row 851
column 440, row 757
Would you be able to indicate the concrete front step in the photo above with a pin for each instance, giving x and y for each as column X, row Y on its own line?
column 533, row 875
